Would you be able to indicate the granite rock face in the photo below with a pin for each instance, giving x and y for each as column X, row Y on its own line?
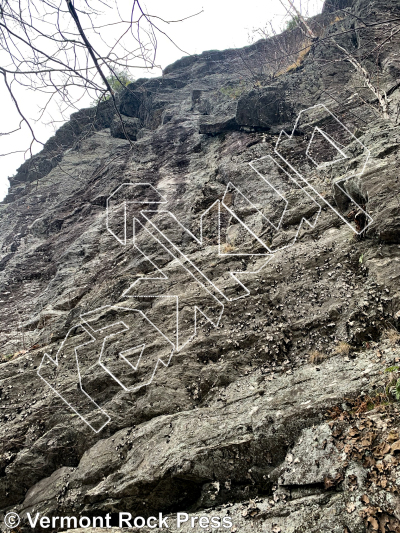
column 182, row 331
column 265, row 107
column 127, row 128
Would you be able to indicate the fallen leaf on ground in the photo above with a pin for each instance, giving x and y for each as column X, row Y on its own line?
column 350, row 507
column 395, row 446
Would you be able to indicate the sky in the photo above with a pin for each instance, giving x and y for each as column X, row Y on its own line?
column 221, row 24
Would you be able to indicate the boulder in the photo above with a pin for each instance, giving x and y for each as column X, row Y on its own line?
column 132, row 102
column 128, row 127
column 262, row 108
column 219, row 125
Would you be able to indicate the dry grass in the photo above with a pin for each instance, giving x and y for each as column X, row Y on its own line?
column 338, row 19
column 392, row 335
column 228, row 248
column 297, row 62
column 233, row 91
column 343, row 348
column 11, row 356
column 316, row 357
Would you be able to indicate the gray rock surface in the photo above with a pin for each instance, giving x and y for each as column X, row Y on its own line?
column 277, row 417
column 127, row 127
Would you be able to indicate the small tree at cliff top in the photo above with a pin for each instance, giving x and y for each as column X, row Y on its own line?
column 120, row 80
column 292, row 23
column 118, row 83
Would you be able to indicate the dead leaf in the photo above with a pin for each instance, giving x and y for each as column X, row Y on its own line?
column 393, row 436
column 383, row 520
column 368, row 462
column 393, row 525
column 368, row 438
column 395, row 447
column 350, row 507
column 365, row 498
column 374, row 522
column 353, row 480
column 382, row 449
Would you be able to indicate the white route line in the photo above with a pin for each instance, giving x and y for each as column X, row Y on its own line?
column 138, row 281
column 163, row 201
column 337, row 184
column 56, row 363
column 124, row 352
column 182, row 259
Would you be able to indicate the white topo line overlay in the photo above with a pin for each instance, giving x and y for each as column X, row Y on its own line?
column 344, row 156
column 86, row 408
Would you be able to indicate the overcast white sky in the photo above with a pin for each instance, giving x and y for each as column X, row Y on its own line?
column 222, row 24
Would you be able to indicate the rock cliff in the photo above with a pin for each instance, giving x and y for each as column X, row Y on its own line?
column 203, row 318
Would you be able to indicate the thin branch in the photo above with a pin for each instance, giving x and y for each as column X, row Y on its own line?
column 74, row 15
column 380, row 95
